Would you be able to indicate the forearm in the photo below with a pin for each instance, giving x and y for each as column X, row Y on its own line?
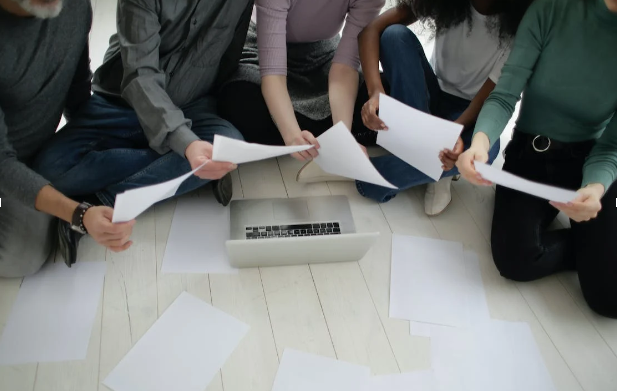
column 52, row 202
column 276, row 95
column 343, row 90
column 482, row 141
column 368, row 41
column 369, row 46
column 469, row 116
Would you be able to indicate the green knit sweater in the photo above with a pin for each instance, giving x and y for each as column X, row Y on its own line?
column 564, row 57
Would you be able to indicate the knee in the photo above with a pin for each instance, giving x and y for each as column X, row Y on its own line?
column 512, row 260
column 52, row 163
column 600, row 294
column 228, row 130
column 22, row 265
column 397, row 37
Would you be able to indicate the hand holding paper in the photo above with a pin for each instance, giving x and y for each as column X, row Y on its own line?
column 416, row 137
column 340, row 154
column 506, row 179
column 198, row 153
column 132, row 203
column 237, row 151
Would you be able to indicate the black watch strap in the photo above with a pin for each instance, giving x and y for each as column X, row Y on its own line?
column 77, row 223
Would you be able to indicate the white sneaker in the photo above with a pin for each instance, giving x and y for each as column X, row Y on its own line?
column 437, row 196
column 311, row 173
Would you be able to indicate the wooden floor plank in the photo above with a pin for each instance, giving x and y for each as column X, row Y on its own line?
column 411, row 353
column 504, row 298
column 130, row 297
column 605, row 326
column 82, row 375
column 16, row 377
column 254, row 363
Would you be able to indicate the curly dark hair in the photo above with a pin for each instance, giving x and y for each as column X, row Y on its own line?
column 440, row 15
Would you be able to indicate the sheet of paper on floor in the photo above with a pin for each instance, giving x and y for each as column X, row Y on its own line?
column 416, row 137
column 301, row 371
column 476, row 298
column 511, row 181
column 53, row 314
column 340, row 154
column 226, row 149
column 196, row 243
column 182, row 351
column 412, row 381
column 132, row 203
column 428, row 281
column 497, row 355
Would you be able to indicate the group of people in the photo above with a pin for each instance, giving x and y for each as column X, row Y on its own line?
column 278, row 72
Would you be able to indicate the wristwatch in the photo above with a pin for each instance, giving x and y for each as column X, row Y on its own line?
column 77, row 223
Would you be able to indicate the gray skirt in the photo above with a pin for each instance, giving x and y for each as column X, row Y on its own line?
column 308, row 65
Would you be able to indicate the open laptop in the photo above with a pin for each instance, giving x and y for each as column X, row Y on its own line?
column 293, row 231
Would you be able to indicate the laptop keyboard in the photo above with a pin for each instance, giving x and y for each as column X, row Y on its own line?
column 293, row 230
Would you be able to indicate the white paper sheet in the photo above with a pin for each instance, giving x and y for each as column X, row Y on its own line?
column 497, row 355
column 196, row 242
column 428, row 282
column 340, row 154
column 132, row 203
column 511, row 181
column 236, row 151
column 53, row 315
column 300, row 371
column 415, row 137
column 412, row 381
column 476, row 299
column 182, row 351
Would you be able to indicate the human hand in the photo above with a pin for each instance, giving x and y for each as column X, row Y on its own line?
column 115, row 237
column 369, row 114
column 586, row 206
column 304, row 138
column 449, row 157
column 200, row 152
column 477, row 152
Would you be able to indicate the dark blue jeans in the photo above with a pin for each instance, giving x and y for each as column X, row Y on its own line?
column 413, row 82
column 104, row 151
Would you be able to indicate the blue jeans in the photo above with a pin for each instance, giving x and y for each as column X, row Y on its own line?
column 413, row 82
column 104, row 151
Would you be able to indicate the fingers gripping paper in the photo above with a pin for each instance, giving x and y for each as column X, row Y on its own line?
column 236, row 151
column 341, row 155
column 415, row 137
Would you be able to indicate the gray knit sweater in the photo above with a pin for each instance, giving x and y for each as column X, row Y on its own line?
column 44, row 71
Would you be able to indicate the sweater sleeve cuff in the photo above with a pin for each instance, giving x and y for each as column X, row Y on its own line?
column 603, row 176
column 180, row 139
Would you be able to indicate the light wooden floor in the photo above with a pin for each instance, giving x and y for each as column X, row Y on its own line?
column 337, row 310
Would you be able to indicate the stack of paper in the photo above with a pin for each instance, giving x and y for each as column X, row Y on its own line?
column 182, row 351
column 438, row 287
column 428, row 281
column 416, row 137
column 300, row 371
column 196, row 243
column 496, row 355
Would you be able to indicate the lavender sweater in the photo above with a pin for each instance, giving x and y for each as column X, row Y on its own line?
column 282, row 21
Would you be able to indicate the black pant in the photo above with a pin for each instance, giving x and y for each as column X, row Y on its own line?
column 243, row 104
column 524, row 249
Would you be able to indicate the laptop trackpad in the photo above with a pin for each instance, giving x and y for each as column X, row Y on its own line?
column 291, row 210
